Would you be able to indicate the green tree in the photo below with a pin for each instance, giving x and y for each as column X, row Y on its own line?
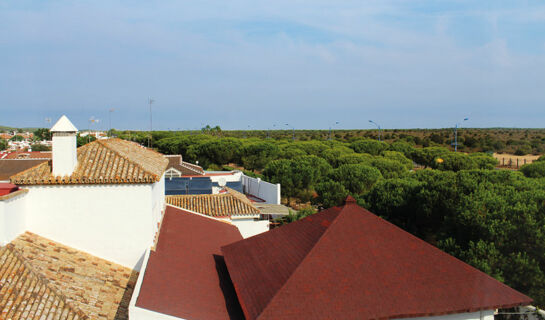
column 42, row 134
column 534, row 170
column 39, row 147
column 356, row 178
column 454, row 161
column 280, row 171
column 427, row 156
column 332, row 155
column 330, row 194
column 373, row 147
column 256, row 155
column 3, row 144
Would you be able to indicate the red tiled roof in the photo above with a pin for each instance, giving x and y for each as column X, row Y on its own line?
column 12, row 167
column 346, row 262
column 185, row 276
column 232, row 203
column 44, row 155
column 185, row 168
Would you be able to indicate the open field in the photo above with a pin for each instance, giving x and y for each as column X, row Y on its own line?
column 513, row 161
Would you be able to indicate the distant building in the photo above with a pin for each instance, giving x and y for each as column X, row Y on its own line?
column 178, row 168
column 230, row 206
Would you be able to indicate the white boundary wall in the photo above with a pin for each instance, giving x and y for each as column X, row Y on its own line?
column 479, row 315
column 116, row 222
column 250, row 227
column 12, row 216
column 261, row 189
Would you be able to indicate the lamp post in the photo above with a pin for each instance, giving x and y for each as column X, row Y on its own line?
column 110, row 120
column 293, row 128
column 150, row 102
column 379, row 129
column 336, row 123
column 459, row 124
column 246, row 132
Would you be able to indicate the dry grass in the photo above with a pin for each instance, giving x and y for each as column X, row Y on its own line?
column 513, row 161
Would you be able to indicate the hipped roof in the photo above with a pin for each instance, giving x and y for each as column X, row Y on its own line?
column 346, row 262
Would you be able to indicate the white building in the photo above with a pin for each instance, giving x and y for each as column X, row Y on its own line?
column 106, row 198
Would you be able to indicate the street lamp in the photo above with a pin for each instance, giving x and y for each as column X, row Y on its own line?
column 378, row 126
column 455, row 144
column 110, row 120
column 336, row 123
column 293, row 128
column 150, row 101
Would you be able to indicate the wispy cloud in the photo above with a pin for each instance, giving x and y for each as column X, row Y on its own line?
column 409, row 64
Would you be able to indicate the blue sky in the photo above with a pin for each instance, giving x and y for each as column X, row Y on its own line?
column 404, row 64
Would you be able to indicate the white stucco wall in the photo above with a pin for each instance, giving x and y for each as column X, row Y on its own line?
column 261, row 189
column 158, row 201
column 479, row 315
column 114, row 222
column 250, row 227
column 12, row 217
column 64, row 153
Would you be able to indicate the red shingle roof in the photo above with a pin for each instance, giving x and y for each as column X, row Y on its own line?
column 346, row 262
column 186, row 276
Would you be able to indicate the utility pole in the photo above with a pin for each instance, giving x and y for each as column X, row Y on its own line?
column 293, row 129
column 150, row 101
column 456, row 134
column 336, row 123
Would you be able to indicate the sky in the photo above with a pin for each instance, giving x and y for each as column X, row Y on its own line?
column 273, row 64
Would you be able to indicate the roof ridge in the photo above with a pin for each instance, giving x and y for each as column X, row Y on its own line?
column 183, row 164
column 105, row 145
column 43, row 280
column 302, row 260
column 26, row 170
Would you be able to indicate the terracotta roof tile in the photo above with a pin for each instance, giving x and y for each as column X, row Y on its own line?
column 185, row 168
column 347, row 263
column 10, row 167
column 98, row 288
column 102, row 162
column 25, row 294
column 216, row 205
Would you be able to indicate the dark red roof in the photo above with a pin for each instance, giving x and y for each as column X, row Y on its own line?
column 186, row 276
column 7, row 188
column 346, row 262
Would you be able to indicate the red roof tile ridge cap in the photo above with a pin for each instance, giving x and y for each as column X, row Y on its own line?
column 105, row 145
column 302, row 261
column 42, row 279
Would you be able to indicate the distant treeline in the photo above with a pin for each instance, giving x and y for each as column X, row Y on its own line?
column 501, row 140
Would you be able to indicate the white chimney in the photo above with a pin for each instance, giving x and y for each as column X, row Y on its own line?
column 65, row 156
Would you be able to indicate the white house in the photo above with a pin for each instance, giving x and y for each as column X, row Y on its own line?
column 105, row 198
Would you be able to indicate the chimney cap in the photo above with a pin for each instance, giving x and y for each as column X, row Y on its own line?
column 64, row 125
